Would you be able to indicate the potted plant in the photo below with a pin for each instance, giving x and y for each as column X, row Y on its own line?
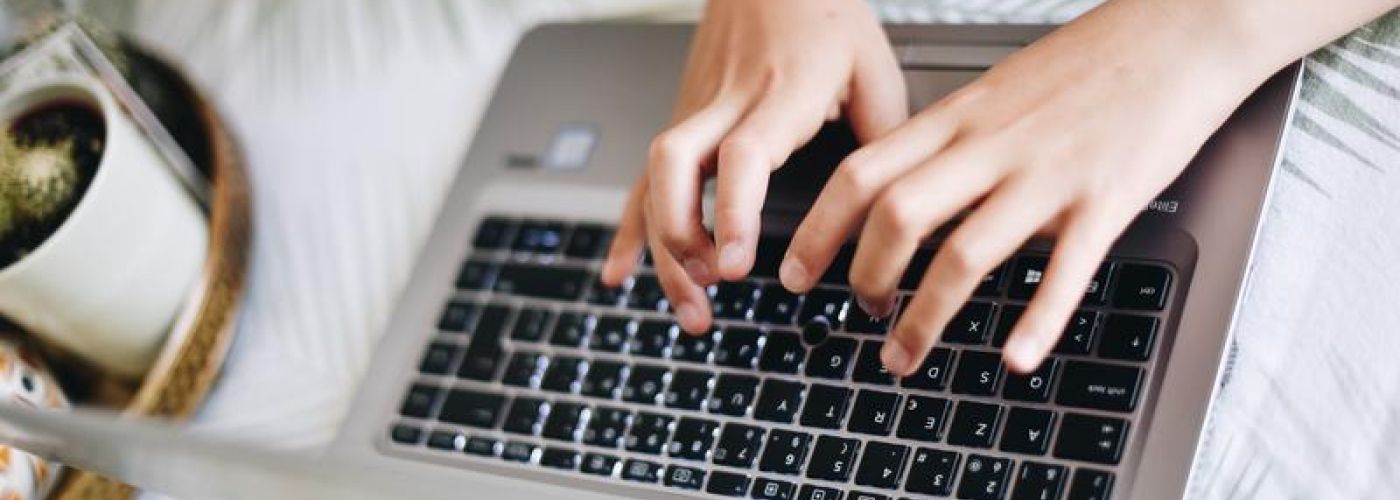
column 47, row 158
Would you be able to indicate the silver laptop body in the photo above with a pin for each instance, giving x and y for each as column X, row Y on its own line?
column 565, row 135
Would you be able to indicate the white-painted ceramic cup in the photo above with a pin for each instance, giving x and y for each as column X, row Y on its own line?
column 108, row 284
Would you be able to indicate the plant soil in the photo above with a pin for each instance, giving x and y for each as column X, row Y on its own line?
column 48, row 124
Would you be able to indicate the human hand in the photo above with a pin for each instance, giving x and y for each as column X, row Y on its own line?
column 761, row 79
column 1068, row 138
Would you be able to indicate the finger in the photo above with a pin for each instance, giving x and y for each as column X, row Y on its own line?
column 1011, row 214
column 630, row 239
column 689, row 302
column 780, row 123
column 850, row 191
column 676, row 184
column 905, row 214
column 878, row 100
column 1079, row 250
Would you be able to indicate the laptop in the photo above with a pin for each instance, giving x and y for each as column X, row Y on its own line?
column 507, row 371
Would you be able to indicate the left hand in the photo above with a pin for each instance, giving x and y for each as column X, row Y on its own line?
column 1070, row 137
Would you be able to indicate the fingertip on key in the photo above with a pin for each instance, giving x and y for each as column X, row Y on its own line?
column 794, row 275
column 896, row 358
column 733, row 261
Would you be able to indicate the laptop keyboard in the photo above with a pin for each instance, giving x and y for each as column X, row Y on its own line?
column 536, row 363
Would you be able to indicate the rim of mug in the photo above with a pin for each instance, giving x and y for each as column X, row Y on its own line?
column 33, row 96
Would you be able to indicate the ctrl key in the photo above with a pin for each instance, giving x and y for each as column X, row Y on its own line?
column 727, row 484
column 517, row 451
column 406, row 434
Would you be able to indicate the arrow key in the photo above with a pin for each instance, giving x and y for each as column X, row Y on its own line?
column 882, row 465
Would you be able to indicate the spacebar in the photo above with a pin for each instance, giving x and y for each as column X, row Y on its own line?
column 542, row 282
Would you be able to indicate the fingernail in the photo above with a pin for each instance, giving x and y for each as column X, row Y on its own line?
column 698, row 271
column 792, row 273
column 732, row 256
column 895, row 357
column 873, row 310
column 1021, row 351
column 686, row 315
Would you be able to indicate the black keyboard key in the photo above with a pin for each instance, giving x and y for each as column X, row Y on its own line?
column 644, row 384
column 1010, row 315
column 493, row 233
column 882, row 465
column 1038, row 481
column 865, row 495
column 985, row 478
column 829, row 303
column 869, row 369
column 816, row 332
column 692, row 439
column 991, row 283
column 826, row 406
column 531, row 325
column 933, row 373
column 478, row 275
column 688, row 478
column 832, row 359
column 978, row 373
column 1142, row 287
column 437, row 360
column 1092, row 438
column 1078, row 337
column 457, row 316
column 518, row 451
column 1034, row 386
column 603, row 295
column 1128, row 338
column 971, row 324
column 734, row 299
column 482, row 446
column 603, row 381
column 776, row 305
column 563, row 375
column 649, row 433
column 785, row 452
column 1086, row 384
column 559, row 458
column 653, row 338
column 874, row 413
column 545, row 238
column 647, row 295
column 606, row 427
column 923, row 419
column 931, row 472
column 859, row 321
column 599, row 464
column 1027, row 431
column 1026, row 276
column 571, row 329
column 523, row 369
column 694, row 348
column 1089, row 484
column 553, row 283
column 406, row 434
column 727, row 484
column 778, row 401
column 974, row 424
column 641, row 471
column 563, row 421
column 833, row 458
column 772, row 489
column 588, row 241
column 782, row 353
column 485, row 355
column 1096, row 292
column 688, row 389
column 738, row 445
column 611, row 333
column 814, row 492
column 738, row 347
column 447, row 441
column 419, row 401
column 472, row 408
column 733, row 395
column 525, row 416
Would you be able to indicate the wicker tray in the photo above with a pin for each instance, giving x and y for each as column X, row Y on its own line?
column 193, row 354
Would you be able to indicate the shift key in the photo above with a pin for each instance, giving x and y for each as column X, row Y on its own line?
column 542, row 282
column 1100, row 386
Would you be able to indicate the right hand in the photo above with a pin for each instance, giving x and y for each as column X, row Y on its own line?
column 761, row 79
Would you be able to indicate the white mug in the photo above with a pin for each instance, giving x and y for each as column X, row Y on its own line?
column 110, row 281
